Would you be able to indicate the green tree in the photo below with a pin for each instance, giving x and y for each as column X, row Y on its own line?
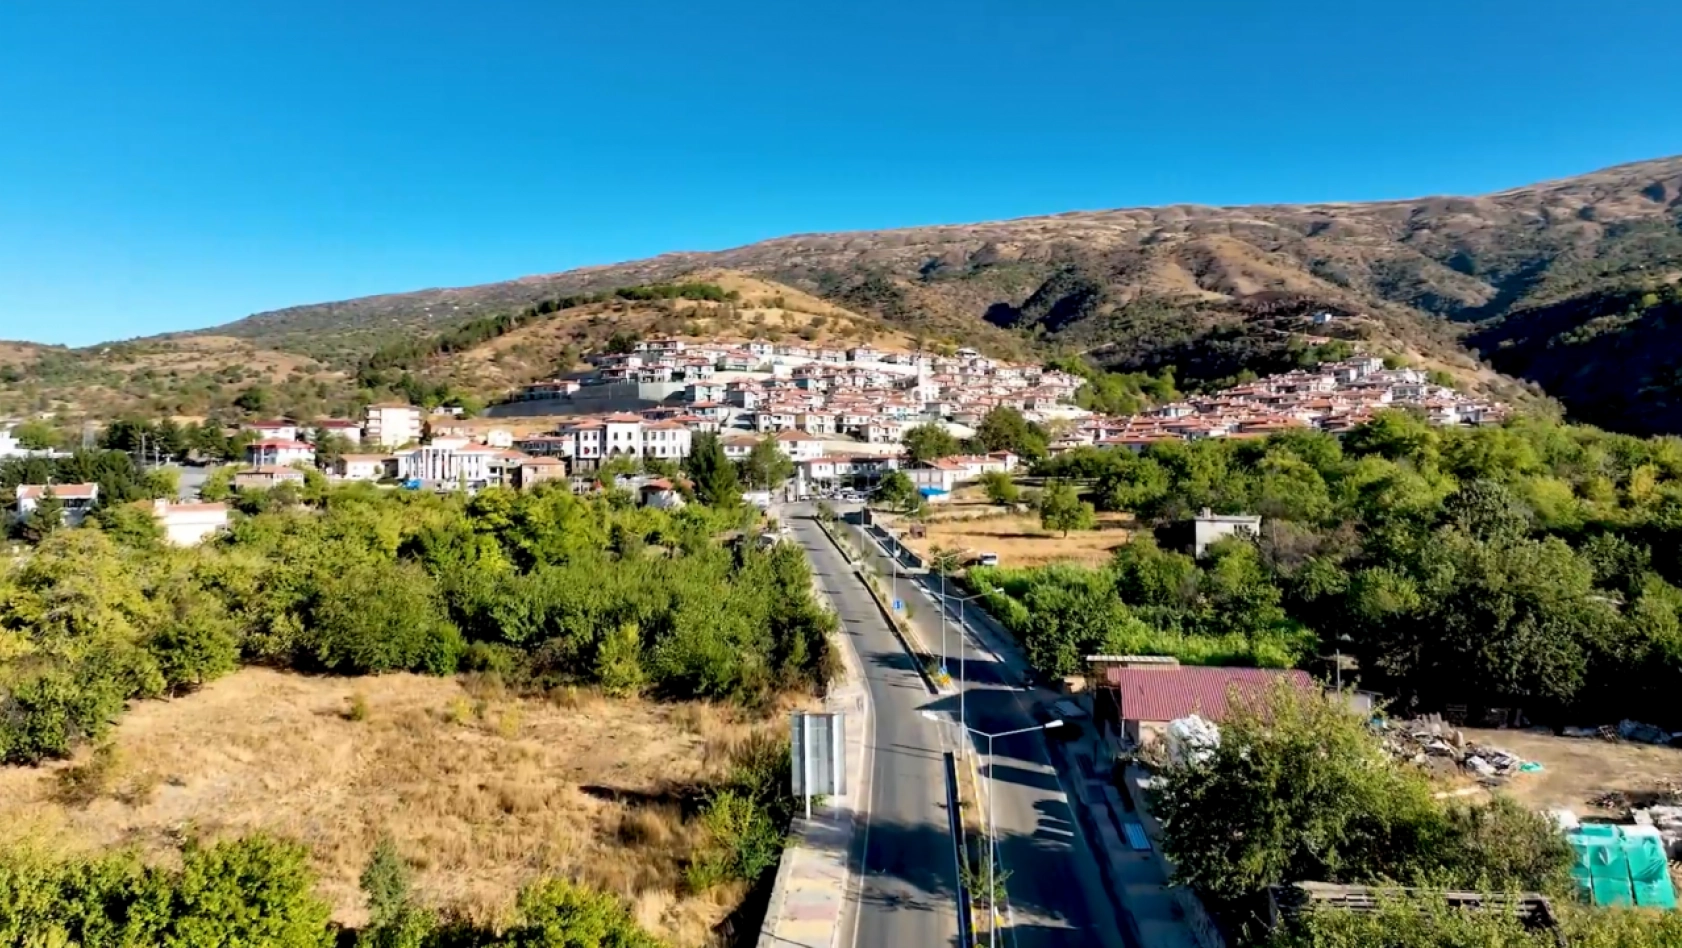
column 766, row 466
column 37, row 435
column 561, row 914
column 1062, row 509
column 218, row 484
column 1005, row 429
column 712, row 473
column 47, row 516
column 926, row 442
column 254, row 400
column 1000, row 487
column 896, row 492
column 385, row 882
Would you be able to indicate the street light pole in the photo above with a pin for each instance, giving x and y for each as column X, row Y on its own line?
column 993, row 826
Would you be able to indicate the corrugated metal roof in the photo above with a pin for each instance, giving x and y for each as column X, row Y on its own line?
column 1163, row 694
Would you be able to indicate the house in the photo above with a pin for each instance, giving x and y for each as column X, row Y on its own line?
column 264, row 477
column 344, row 428
column 547, row 390
column 799, row 445
column 1137, row 702
column 1197, row 534
column 499, row 438
column 277, row 430
column 661, row 494
column 534, row 471
column 77, row 500
column 362, row 467
column 278, row 452
column 188, row 524
column 392, row 424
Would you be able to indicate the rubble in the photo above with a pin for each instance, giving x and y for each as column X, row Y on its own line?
column 1423, row 739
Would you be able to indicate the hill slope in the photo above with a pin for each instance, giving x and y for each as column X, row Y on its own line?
column 1212, row 289
column 195, row 375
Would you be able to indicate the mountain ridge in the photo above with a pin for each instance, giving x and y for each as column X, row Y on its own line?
column 1461, row 283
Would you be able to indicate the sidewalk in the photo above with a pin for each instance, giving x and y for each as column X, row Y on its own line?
column 810, row 895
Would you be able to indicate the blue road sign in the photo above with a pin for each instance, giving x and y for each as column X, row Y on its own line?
column 899, row 605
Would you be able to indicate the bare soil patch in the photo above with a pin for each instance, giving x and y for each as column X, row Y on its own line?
column 482, row 791
column 1577, row 773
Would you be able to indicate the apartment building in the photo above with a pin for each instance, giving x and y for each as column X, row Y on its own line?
column 392, row 425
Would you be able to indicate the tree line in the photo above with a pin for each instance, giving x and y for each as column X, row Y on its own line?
column 544, row 588
column 1534, row 565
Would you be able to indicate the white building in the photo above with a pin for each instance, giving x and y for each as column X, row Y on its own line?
column 591, row 441
column 449, row 460
column 277, row 430
column 189, row 524
column 78, row 499
column 360, row 467
column 799, row 445
column 278, row 453
column 343, row 428
column 392, row 425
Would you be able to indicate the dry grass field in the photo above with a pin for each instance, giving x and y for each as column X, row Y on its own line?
column 968, row 522
column 482, row 791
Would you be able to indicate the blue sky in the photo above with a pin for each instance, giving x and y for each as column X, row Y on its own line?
column 172, row 165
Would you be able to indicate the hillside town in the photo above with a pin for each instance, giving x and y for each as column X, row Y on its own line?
column 839, row 415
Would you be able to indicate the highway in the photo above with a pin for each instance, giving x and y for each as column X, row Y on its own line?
column 908, row 894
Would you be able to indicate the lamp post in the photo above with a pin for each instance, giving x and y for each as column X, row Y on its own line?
column 992, row 827
column 963, row 651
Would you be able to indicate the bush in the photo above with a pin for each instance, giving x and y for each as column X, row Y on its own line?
column 383, row 618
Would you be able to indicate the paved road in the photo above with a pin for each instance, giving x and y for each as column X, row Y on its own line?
column 906, row 867
column 1056, row 894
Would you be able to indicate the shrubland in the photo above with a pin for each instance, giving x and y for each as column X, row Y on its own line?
column 543, row 591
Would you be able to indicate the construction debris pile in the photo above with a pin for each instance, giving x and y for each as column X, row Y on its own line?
column 1429, row 742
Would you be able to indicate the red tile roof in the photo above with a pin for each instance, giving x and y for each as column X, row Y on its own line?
column 1163, row 694
column 61, row 491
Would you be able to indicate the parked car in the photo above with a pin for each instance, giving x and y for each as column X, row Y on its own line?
column 987, row 559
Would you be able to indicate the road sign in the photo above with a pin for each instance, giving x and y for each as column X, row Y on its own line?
column 899, row 605
column 818, row 755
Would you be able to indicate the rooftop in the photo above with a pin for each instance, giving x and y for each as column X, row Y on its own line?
column 1164, row 694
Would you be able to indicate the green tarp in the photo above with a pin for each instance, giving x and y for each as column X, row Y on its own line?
column 1621, row 865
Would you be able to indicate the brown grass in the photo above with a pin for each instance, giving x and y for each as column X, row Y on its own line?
column 969, row 523
column 1577, row 770
column 482, row 791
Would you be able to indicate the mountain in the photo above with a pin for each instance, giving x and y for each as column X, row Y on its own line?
column 1214, row 291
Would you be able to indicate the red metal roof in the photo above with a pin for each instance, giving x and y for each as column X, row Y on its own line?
column 1163, row 694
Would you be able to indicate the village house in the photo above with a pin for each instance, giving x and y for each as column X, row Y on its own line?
column 392, row 424
column 1135, row 704
column 75, row 500
column 279, row 453
column 189, row 524
column 362, row 467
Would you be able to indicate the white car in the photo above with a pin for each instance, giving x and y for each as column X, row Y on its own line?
column 987, row 559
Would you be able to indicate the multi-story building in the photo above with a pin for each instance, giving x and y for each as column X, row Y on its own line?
column 392, row 425
column 449, row 461
column 275, row 452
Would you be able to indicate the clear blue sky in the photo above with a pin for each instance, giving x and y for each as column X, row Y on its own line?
column 171, row 165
